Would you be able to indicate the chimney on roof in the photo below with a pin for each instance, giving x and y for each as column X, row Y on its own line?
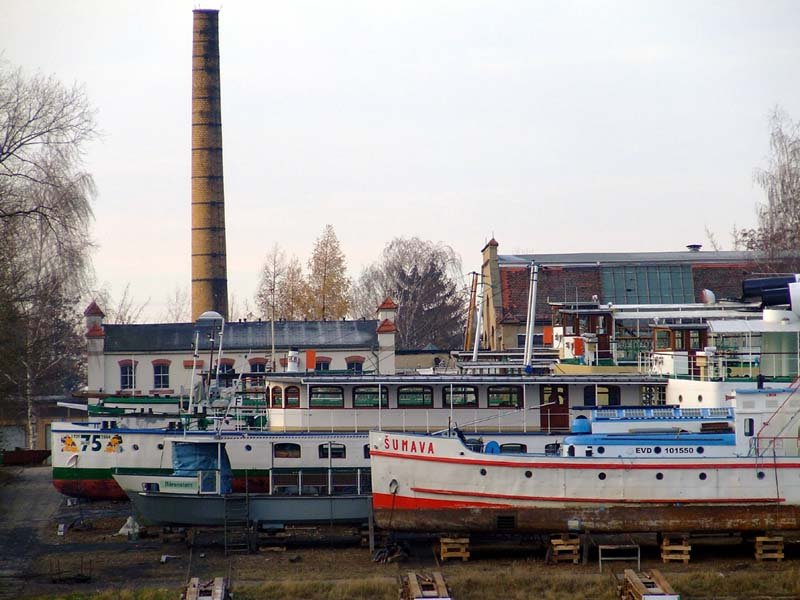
column 694, row 247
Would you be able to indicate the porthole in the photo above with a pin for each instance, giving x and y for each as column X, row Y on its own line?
column 161, row 446
column 760, row 475
column 680, row 397
column 136, row 446
column 657, row 450
column 699, row 397
column 703, row 476
column 483, row 471
column 601, row 476
column 528, row 474
column 601, row 450
column 659, row 476
column 700, row 450
column 248, row 447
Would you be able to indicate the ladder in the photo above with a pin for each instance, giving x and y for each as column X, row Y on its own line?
column 237, row 524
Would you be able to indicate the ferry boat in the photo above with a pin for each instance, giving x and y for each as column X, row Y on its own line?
column 604, row 483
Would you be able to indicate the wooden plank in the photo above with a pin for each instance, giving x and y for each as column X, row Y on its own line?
column 634, row 582
column 441, row 586
column 413, row 585
column 661, row 581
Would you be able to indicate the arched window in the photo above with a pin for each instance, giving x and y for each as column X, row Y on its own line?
column 355, row 364
column 464, row 396
column 415, row 396
column 505, row 396
column 127, row 374
column 326, row 396
column 277, row 397
column 336, row 450
column 366, row 396
column 292, row 394
column 286, row 450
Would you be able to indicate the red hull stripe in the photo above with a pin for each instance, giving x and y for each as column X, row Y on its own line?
column 601, row 500
column 390, row 501
column 565, row 464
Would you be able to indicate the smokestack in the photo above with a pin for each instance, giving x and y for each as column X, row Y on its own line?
column 209, row 269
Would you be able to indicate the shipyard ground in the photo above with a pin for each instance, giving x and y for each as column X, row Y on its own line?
column 87, row 558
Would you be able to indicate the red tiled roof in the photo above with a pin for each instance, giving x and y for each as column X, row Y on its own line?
column 514, row 284
column 95, row 331
column 93, row 311
column 388, row 304
column 387, row 326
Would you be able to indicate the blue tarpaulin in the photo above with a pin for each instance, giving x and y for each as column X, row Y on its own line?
column 190, row 457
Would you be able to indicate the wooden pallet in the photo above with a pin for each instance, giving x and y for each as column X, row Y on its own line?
column 565, row 548
column 216, row 589
column 454, row 548
column 646, row 586
column 674, row 548
column 769, row 548
column 417, row 586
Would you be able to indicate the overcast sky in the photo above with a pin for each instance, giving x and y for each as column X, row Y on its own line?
column 552, row 126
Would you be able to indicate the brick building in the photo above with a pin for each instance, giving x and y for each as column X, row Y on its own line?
column 600, row 278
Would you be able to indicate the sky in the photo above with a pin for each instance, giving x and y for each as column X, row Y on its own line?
column 550, row 126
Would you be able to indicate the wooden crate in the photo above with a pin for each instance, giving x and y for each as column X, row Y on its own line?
column 454, row 548
column 769, row 548
column 565, row 548
column 674, row 548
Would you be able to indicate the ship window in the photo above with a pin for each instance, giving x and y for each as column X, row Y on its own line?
column 663, row 340
column 760, row 475
column 513, row 448
column 336, row 450
column 136, row 446
column 657, row 450
column 286, row 450
column 416, row 396
column 601, row 476
column 292, row 397
column 277, row 397
column 699, row 397
column 571, row 451
column 367, row 396
column 505, row 396
column 680, row 397
column 528, row 474
column 602, row 395
column 366, row 450
column 659, row 476
column 749, row 427
column 464, row 396
column 326, row 396
column 601, row 450
column 161, row 446
column 700, row 450
column 483, row 471
column 702, row 476
column 248, row 447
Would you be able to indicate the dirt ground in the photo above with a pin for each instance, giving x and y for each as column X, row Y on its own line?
column 52, row 548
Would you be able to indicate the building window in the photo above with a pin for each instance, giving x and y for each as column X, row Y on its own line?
column 367, row 396
column 277, row 397
column 415, row 396
column 286, row 450
column 226, row 365
column 161, row 377
column 126, row 377
column 336, row 450
column 292, row 397
column 602, row 395
column 355, row 364
column 322, row 366
column 505, row 396
column 464, row 396
column 323, row 396
column 258, row 367
column 648, row 284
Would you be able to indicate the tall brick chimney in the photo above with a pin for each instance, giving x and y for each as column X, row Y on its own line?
column 209, row 268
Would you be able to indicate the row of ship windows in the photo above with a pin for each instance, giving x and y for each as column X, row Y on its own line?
column 601, row 476
column 288, row 450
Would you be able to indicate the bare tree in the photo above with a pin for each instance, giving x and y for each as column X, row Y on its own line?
column 777, row 233
column 178, row 306
column 425, row 279
column 45, row 210
column 125, row 310
column 271, row 281
column 328, row 284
